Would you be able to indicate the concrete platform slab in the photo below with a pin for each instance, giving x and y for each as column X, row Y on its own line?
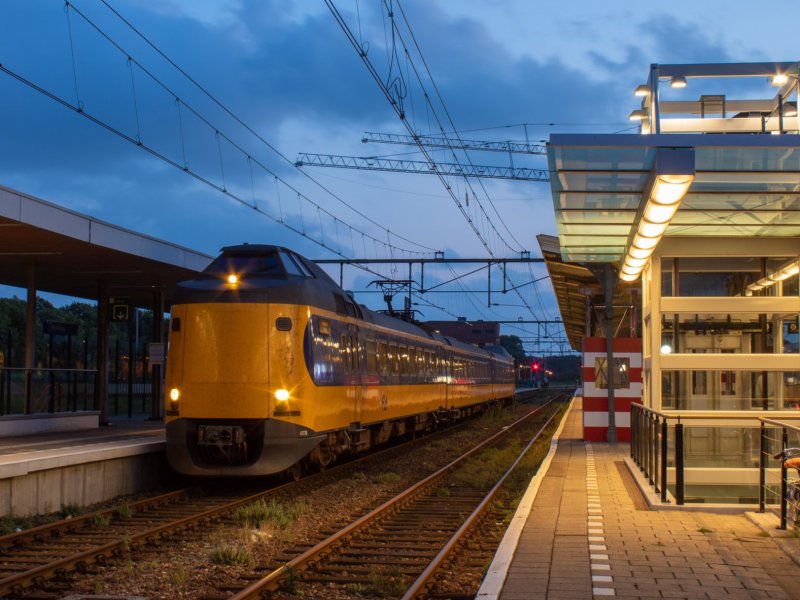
column 591, row 533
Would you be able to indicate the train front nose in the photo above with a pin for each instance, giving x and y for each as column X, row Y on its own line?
column 225, row 366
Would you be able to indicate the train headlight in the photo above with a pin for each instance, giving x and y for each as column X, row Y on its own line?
column 233, row 279
column 281, row 395
column 174, row 396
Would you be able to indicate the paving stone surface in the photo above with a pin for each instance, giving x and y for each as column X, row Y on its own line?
column 590, row 535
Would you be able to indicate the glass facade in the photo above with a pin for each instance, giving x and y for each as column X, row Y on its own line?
column 721, row 343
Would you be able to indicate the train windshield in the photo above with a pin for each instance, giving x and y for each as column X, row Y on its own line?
column 232, row 263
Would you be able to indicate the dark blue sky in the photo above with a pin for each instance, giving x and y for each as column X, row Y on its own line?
column 287, row 71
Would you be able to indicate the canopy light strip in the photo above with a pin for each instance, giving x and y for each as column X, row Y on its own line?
column 672, row 176
column 790, row 269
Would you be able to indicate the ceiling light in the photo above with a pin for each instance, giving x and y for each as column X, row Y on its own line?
column 779, row 79
column 673, row 173
column 678, row 82
column 637, row 115
column 670, row 189
column 641, row 90
column 626, row 277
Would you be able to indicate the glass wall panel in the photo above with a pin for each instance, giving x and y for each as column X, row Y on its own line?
column 741, row 333
column 726, row 276
column 730, row 390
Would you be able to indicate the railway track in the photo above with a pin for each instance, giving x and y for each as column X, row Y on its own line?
column 43, row 557
column 399, row 547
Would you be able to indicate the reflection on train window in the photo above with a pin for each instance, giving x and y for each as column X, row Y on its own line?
column 372, row 357
column 343, row 350
column 394, row 359
column 383, row 358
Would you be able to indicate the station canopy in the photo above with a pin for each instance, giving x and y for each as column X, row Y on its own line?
column 71, row 254
column 746, row 161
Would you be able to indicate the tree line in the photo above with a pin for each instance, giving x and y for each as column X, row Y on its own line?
column 80, row 349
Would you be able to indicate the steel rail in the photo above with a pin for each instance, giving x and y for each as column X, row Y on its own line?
column 424, row 579
column 271, row 582
column 14, row 584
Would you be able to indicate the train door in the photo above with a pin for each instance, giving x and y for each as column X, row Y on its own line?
column 446, row 359
column 357, row 380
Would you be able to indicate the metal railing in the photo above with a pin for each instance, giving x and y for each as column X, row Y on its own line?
column 41, row 391
column 650, row 447
column 774, row 439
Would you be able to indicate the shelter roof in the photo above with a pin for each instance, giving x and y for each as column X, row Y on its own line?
column 72, row 252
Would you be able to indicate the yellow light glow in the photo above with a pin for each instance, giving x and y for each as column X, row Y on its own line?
column 281, row 395
column 174, row 394
column 233, row 279
column 645, row 243
column 779, row 78
column 626, row 277
column 636, row 263
column 628, row 270
column 639, row 252
column 678, row 82
column 652, row 230
column 670, row 189
column 641, row 90
column 659, row 213
column 637, row 115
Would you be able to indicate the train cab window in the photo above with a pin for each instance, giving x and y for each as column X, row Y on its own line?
column 301, row 265
column 351, row 309
column 290, row 265
column 232, row 263
column 372, row 357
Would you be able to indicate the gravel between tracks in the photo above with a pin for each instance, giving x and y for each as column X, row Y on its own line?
column 184, row 568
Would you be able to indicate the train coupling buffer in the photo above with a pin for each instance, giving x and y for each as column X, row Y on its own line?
column 220, row 435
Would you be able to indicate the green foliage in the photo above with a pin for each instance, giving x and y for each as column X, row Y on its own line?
column 483, row 470
column 388, row 477
column 272, row 512
column 387, row 584
column 359, row 476
column 84, row 314
column 99, row 521
column 72, row 510
column 231, row 554
column 12, row 524
column 124, row 511
column 513, row 346
column 179, row 575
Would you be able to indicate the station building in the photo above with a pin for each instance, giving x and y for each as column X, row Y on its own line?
column 686, row 238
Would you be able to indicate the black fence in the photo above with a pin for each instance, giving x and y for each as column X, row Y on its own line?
column 37, row 391
column 650, row 448
column 776, row 438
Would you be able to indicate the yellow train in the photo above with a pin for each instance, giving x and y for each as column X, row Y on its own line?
column 271, row 366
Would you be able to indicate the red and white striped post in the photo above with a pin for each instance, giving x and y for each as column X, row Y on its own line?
column 595, row 395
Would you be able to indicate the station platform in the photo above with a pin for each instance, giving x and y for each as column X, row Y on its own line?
column 41, row 473
column 585, row 530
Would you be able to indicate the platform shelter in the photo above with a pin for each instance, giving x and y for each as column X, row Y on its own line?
column 699, row 216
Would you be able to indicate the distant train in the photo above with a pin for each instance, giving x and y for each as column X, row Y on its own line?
column 272, row 366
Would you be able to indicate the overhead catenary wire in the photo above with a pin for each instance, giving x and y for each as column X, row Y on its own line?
column 80, row 109
column 396, row 101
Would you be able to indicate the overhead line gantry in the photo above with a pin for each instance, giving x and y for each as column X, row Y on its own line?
column 371, row 163
column 432, row 141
